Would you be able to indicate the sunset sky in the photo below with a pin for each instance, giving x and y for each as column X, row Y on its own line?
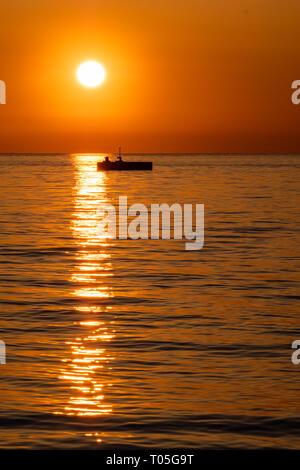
column 181, row 75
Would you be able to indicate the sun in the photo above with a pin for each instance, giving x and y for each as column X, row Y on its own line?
column 90, row 73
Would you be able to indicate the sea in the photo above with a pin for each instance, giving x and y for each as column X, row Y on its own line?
column 136, row 343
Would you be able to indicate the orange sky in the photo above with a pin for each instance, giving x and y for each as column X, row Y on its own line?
column 182, row 75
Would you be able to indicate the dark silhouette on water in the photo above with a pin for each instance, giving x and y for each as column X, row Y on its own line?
column 120, row 156
column 120, row 165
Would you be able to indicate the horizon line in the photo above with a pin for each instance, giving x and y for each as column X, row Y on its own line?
column 153, row 153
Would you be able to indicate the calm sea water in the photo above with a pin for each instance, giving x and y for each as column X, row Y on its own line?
column 142, row 343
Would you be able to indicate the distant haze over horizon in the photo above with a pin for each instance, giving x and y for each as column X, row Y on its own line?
column 196, row 77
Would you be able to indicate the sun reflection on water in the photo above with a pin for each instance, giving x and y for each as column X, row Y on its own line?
column 87, row 363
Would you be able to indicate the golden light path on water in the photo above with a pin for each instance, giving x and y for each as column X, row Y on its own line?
column 88, row 359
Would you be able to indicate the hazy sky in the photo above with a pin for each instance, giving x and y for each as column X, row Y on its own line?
column 182, row 75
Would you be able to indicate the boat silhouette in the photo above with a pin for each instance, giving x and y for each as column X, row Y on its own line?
column 121, row 165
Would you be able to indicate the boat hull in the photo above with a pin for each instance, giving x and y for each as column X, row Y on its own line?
column 124, row 166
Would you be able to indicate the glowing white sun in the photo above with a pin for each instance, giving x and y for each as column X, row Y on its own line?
column 90, row 73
